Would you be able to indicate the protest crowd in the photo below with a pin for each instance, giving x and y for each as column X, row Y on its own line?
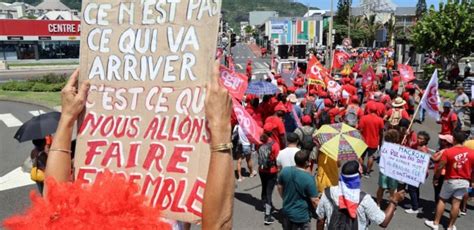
column 312, row 135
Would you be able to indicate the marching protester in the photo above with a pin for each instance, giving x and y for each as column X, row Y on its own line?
column 39, row 157
column 459, row 164
column 387, row 183
column 371, row 127
column 268, row 171
column 243, row 151
column 286, row 156
column 298, row 190
column 346, row 206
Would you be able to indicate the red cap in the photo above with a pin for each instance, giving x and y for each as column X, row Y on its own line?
column 409, row 86
column 313, row 92
column 328, row 102
column 268, row 127
column 371, row 107
column 280, row 81
column 355, row 99
column 322, row 93
column 280, row 107
column 291, row 89
column 306, row 120
column 299, row 82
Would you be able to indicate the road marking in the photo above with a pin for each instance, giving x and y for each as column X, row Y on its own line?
column 240, row 66
column 37, row 112
column 10, row 120
column 266, row 64
column 15, row 179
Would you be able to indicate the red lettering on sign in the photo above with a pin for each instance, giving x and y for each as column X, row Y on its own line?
column 179, row 157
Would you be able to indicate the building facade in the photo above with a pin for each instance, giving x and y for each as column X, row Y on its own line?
column 39, row 39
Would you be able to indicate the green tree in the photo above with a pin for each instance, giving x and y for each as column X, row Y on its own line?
column 420, row 8
column 450, row 31
column 343, row 7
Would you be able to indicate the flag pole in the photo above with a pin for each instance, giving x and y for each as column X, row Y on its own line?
column 416, row 111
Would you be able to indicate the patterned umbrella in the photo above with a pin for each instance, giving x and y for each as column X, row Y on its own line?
column 262, row 88
column 340, row 141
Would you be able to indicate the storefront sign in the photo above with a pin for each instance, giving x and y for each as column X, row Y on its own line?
column 148, row 63
column 20, row 27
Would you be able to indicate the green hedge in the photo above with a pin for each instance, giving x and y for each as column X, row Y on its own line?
column 47, row 83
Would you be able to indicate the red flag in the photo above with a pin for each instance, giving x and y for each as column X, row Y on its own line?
column 247, row 123
column 368, row 77
column 235, row 82
column 357, row 66
column 316, row 72
column 406, row 73
column 340, row 58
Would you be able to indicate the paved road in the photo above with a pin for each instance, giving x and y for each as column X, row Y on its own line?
column 12, row 155
column 242, row 53
column 27, row 74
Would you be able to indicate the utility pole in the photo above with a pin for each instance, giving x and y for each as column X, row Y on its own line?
column 330, row 36
column 349, row 20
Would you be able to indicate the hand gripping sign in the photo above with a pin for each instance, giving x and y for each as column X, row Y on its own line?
column 148, row 63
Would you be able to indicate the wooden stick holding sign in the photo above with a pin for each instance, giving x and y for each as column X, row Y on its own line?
column 148, row 63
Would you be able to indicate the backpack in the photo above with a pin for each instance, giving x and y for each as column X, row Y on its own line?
column 324, row 118
column 395, row 118
column 458, row 126
column 264, row 154
column 309, row 108
column 340, row 218
column 306, row 142
column 351, row 117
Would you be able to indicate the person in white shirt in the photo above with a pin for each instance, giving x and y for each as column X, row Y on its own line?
column 286, row 157
column 244, row 150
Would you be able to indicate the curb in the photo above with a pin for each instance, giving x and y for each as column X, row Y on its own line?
column 30, row 103
column 36, row 69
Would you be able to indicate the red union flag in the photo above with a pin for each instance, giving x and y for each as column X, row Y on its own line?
column 406, row 73
column 340, row 58
column 368, row 77
column 316, row 72
column 247, row 123
column 235, row 82
column 430, row 100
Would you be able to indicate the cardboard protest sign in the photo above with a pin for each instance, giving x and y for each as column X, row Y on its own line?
column 148, row 62
column 404, row 164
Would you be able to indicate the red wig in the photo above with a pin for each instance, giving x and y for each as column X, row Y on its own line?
column 109, row 203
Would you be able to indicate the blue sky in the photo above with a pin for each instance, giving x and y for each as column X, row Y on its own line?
column 326, row 4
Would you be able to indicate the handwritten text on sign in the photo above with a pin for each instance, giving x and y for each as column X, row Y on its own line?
column 404, row 164
column 148, row 62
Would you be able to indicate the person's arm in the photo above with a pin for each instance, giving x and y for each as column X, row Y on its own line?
column 73, row 101
column 320, row 223
column 280, row 189
column 383, row 219
column 218, row 197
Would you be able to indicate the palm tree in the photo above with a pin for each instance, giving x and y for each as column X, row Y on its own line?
column 371, row 25
column 391, row 30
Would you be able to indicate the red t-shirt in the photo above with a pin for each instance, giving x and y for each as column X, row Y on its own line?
column 333, row 113
column 370, row 126
column 405, row 114
column 459, row 162
column 279, row 130
column 395, row 83
column 267, row 108
column 273, row 157
column 256, row 116
column 447, row 120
